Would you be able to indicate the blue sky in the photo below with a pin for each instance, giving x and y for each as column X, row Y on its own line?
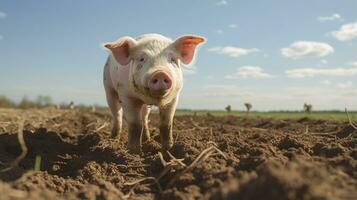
column 274, row 54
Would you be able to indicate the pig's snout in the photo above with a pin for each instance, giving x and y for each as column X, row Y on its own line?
column 159, row 83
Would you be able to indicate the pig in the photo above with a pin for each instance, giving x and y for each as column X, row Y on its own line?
column 142, row 72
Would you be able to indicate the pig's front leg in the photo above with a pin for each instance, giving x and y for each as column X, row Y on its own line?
column 132, row 113
column 145, row 118
column 167, row 113
column 115, row 108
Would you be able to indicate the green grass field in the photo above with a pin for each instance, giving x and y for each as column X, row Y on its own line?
column 325, row 115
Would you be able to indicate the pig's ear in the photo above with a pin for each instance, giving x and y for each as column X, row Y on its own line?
column 121, row 49
column 186, row 47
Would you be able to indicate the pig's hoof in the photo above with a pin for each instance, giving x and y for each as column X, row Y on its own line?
column 146, row 137
column 167, row 146
column 115, row 133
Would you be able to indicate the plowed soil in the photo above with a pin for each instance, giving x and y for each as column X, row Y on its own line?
column 213, row 158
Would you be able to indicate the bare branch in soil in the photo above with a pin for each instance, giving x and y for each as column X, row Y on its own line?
column 179, row 161
column 163, row 162
column 200, row 158
column 101, row 127
column 20, row 137
column 195, row 124
column 350, row 120
column 134, row 183
column 174, row 163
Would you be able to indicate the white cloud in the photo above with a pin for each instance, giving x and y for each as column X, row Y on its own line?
column 233, row 51
column 249, row 71
column 221, row 3
column 353, row 63
column 325, row 82
column 312, row 72
column 302, row 49
column 323, row 61
column 333, row 17
column 233, row 26
column 346, row 85
column 347, row 32
column 2, row 15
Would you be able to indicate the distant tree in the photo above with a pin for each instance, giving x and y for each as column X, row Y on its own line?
column 26, row 103
column 307, row 108
column 228, row 108
column 248, row 107
column 6, row 102
column 43, row 101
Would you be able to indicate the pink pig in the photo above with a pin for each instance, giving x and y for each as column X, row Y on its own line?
column 146, row 71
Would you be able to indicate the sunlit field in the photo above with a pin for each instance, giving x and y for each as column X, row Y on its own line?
column 324, row 115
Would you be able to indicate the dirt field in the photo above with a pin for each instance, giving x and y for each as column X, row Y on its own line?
column 213, row 158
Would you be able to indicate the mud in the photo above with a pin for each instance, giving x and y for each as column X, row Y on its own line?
column 262, row 158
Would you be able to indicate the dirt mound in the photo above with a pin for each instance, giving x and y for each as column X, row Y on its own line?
column 213, row 158
column 298, row 179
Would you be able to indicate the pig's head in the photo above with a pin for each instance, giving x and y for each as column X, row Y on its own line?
column 155, row 64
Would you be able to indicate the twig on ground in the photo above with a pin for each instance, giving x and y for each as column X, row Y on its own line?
column 174, row 163
column 166, row 169
column 212, row 143
column 179, row 161
column 3, row 128
column 306, row 129
column 179, row 123
column 4, row 125
column 272, row 150
column 200, row 158
column 350, row 120
column 90, row 124
column 163, row 162
column 215, row 146
column 134, row 183
column 221, row 153
column 101, row 127
column 136, row 166
column 196, row 124
column 211, row 132
column 139, row 181
column 20, row 137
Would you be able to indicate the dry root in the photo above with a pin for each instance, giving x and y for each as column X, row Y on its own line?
column 195, row 124
column 101, row 127
column 213, row 150
column 20, row 137
column 133, row 184
column 353, row 124
column 168, row 166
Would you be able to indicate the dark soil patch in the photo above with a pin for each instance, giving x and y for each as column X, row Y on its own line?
column 266, row 159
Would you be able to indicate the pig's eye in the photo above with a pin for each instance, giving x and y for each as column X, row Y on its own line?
column 142, row 59
column 173, row 60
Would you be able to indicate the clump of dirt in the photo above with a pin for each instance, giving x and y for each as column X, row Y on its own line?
column 299, row 179
column 213, row 158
